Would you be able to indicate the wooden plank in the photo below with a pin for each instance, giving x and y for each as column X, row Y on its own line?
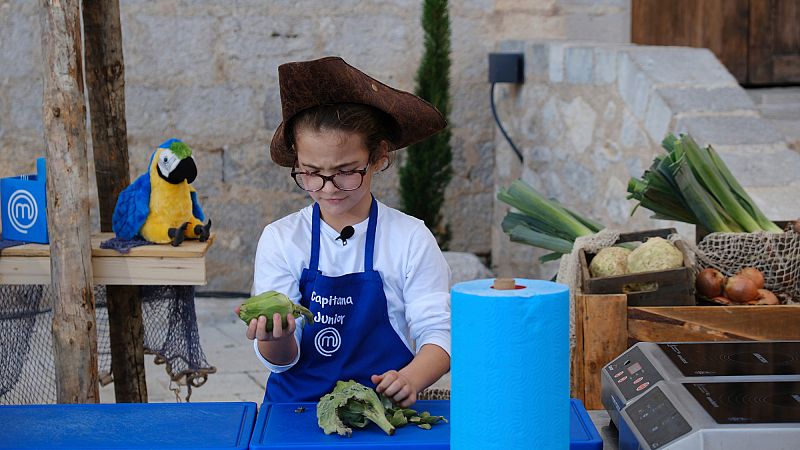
column 190, row 248
column 710, row 323
column 605, row 336
column 64, row 120
column 576, row 382
column 111, row 271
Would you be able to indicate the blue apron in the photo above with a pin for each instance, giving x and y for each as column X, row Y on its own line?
column 351, row 337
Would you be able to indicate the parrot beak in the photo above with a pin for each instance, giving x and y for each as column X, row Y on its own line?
column 185, row 170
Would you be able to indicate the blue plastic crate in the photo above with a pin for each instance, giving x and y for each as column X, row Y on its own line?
column 174, row 426
column 583, row 434
column 280, row 427
column 24, row 206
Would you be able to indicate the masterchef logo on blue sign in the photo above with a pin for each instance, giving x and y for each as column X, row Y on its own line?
column 22, row 210
column 327, row 341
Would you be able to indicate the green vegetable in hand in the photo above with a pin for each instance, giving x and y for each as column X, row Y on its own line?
column 267, row 304
column 351, row 404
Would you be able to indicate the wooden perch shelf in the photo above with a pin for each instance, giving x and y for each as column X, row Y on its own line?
column 145, row 265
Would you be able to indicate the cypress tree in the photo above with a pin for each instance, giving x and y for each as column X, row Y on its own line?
column 426, row 170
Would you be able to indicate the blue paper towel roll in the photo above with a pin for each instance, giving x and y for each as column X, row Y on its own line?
column 510, row 366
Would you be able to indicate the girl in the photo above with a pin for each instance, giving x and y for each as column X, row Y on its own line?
column 373, row 277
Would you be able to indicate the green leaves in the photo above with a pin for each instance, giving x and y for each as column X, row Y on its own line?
column 352, row 404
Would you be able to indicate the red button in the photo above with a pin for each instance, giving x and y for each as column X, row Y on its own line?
column 643, row 386
column 621, row 380
column 618, row 375
column 636, row 381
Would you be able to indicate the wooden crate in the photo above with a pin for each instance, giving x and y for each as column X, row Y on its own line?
column 675, row 287
column 606, row 326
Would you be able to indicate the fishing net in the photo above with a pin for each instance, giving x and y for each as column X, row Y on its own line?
column 27, row 369
column 569, row 270
column 776, row 255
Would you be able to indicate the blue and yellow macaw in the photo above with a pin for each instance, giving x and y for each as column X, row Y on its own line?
column 160, row 205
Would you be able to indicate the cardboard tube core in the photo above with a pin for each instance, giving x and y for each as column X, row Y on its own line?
column 504, row 284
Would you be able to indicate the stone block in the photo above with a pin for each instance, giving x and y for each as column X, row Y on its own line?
column 761, row 165
column 580, row 119
column 605, row 65
column 703, row 99
column 657, row 118
column 25, row 107
column 252, row 47
column 555, row 62
column 608, row 27
column 537, row 60
column 579, row 65
column 170, row 49
column 217, row 114
column 729, row 130
column 466, row 267
column 149, row 110
column 633, row 85
column 681, row 66
column 20, row 43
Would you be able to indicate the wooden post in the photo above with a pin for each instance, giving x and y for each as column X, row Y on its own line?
column 64, row 117
column 105, row 78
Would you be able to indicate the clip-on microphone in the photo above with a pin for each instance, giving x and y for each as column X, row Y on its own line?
column 347, row 233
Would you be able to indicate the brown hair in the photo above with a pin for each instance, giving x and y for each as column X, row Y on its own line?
column 371, row 123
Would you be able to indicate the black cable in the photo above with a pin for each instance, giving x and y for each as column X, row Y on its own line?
column 500, row 125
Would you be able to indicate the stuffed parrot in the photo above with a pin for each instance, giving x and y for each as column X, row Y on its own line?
column 161, row 206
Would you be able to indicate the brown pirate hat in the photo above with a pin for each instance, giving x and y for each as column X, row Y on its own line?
column 330, row 80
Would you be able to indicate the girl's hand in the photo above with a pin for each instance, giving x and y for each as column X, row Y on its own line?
column 258, row 328
column 397, row 387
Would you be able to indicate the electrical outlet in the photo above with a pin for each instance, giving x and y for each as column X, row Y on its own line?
column 506, row 68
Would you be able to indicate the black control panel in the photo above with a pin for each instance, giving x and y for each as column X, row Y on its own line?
column 632, row 373
column 656, row 419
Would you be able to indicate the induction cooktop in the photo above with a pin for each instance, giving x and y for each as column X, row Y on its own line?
column 719, row 414
column 642, row 366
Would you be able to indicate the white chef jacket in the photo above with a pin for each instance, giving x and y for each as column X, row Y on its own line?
column 416, row 277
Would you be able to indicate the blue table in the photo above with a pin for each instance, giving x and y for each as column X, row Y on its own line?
column 174, row 426
column 293, row 426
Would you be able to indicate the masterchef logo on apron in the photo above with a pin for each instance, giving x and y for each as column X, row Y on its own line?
column 327, row 341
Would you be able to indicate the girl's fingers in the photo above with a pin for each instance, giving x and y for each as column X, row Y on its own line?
column 251, row 329
column 261, row 329
column 292, row 325
column 277, row 326
column 398, row 390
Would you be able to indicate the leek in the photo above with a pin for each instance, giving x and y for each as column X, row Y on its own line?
column 542, row 222
column 690, row 184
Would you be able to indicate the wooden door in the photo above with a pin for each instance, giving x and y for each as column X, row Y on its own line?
column 757, row 40
column 774, row 47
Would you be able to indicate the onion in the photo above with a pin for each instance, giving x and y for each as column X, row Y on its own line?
column 754, row 275
column 721, row 300
column 796, row 226
column 710, row 282
column 740, row 289
column 766, row 297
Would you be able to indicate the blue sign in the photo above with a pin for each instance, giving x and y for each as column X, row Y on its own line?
column 24, row 206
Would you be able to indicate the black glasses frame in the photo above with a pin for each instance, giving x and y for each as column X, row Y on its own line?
column 331, row 178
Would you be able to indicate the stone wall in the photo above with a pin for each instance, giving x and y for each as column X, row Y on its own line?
column 205, row 71
column 589, row 117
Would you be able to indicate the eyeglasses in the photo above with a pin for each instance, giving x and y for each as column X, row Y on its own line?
column 347, row 180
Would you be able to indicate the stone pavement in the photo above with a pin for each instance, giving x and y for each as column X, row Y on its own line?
column 240, row 375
